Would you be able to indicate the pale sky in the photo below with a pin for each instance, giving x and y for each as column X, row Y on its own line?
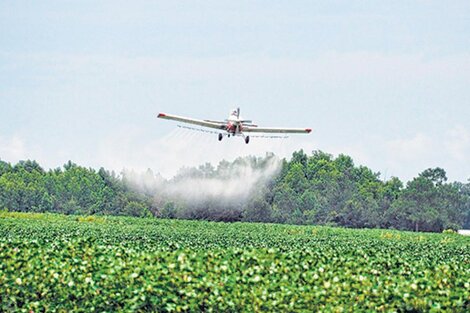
column 387, row 82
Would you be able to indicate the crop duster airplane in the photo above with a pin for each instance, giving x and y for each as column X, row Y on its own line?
column 235, row 126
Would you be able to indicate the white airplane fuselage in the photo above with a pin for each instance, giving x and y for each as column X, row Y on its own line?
column 234, row 123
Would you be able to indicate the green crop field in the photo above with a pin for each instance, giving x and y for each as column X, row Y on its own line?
column 58, row 263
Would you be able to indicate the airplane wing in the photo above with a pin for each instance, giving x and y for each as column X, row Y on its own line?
column 248, row 129
column 204, row 123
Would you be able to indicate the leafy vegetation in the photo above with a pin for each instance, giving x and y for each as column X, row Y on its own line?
column 52, row 262
column 320, row 189
column 317, row 189
column 26, row 187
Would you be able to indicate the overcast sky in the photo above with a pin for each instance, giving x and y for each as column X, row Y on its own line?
column 387, row 82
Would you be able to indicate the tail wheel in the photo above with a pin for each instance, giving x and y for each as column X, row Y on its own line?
column 247, row 139
column 220, row 137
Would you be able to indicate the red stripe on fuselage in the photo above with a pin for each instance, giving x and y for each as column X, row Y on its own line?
column 231, row 127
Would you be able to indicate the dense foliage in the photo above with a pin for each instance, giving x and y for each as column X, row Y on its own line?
column 317, row 189
column 72, row 263
column 320, row 189
column 26, row 187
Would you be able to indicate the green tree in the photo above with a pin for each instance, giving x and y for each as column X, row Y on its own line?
column 4, row 167
column 428, row 204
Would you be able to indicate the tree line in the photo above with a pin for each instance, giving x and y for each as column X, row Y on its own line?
column 307, row 189
column 321, row 189
column 27, row 187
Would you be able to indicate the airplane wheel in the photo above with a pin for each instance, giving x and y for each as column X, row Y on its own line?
column 220, row 137
column 247, row 139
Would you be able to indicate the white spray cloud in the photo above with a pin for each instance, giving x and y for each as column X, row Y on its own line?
column 229, row 183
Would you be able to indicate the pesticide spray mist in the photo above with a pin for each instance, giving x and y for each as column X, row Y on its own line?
column 208, row 192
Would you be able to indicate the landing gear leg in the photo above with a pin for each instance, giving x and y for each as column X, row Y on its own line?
column 220, row 137
column 247, row 139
